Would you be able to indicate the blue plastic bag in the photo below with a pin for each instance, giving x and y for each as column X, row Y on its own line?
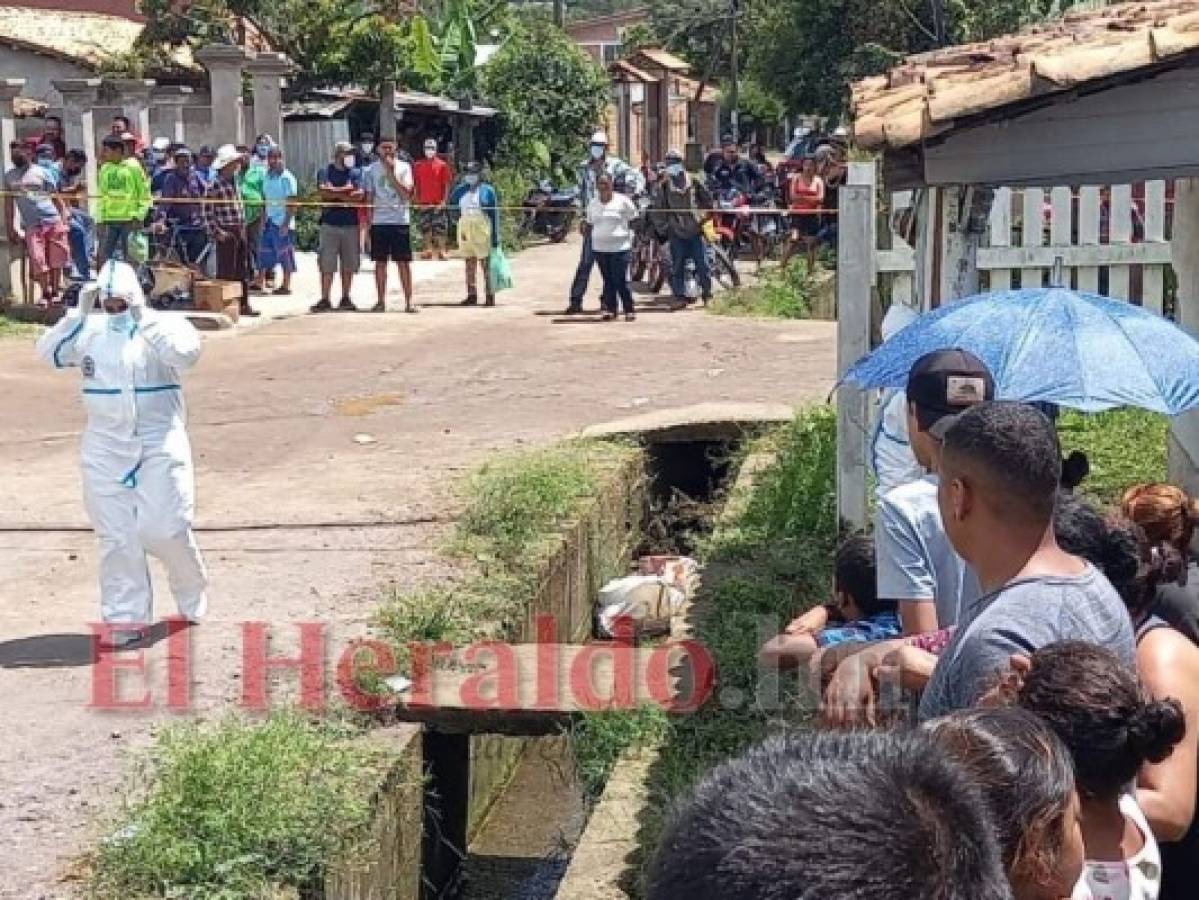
column 501, row 271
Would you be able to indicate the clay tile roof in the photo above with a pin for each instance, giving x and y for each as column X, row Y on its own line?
column 929, row 93
column 687, row 87
column 661, row 58
column 90, row 39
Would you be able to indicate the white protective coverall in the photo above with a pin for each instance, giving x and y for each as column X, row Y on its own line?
column 138, row 482
column 891, row 452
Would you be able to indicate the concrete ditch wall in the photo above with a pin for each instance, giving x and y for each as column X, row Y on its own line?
column 595, row 548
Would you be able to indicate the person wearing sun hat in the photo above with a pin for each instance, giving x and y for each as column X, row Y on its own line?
column 225, row 218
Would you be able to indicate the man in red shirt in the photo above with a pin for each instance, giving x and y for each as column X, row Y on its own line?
column 433, row 180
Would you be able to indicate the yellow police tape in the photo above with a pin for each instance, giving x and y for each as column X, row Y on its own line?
column 261, row 204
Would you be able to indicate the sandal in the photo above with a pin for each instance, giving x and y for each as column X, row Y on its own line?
column 630, row 317
column 281, row 292
column 471, row 300
column 608, row 317
column 346, row 305
column 323, row 306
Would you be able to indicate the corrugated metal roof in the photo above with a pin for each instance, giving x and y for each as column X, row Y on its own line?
column 329, row 104
column 930, row 93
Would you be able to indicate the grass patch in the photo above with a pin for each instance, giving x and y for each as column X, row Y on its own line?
column 13, row 329
column 515, row 510
column 1124, row 446
column 234, row 809
column 781, row 294
column 769, row 558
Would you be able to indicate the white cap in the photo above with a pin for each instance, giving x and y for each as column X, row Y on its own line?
column 840, row 131
column 225, row 154
column 600, row 137
column 119, row 279
column 430, row 143
column 161, row 144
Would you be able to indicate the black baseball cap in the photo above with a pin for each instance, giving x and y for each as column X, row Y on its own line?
column 945, row 383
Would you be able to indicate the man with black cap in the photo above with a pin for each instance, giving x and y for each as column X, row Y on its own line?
column 917, row 566
column 730, row 171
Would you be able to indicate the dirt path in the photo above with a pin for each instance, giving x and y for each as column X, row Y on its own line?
column 275, row 411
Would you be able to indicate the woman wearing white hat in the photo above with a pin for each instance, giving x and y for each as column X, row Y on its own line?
column 138, row 482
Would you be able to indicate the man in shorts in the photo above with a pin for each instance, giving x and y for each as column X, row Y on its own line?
column 340, row 185
column 388, row 187
column 433, row 181
column 28, row 189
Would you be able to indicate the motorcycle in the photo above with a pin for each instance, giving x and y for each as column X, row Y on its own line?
column 649, row 262
column 549, row 212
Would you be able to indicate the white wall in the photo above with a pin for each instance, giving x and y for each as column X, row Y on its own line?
column 38, row 71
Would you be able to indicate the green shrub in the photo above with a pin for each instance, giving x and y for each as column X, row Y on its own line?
column 232, row 809
column 511, row 184
column 781, row 294
column 307, row 221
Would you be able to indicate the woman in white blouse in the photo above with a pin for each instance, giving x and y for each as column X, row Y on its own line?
column 609, row 219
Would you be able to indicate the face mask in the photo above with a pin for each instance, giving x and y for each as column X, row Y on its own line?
column 368, row 147
column 120, row 322
column 471, row 180
column 674, row 170
column 348, row 161
column 262, row 150
column 597, row 151
column 430, row 153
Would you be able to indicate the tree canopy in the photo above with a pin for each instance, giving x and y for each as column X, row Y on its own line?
column 550, row 95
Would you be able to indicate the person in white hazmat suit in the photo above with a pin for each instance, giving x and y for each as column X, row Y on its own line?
column 891, row 454
column 138, row 482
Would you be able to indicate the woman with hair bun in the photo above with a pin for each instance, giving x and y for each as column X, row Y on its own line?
column 1112, row 729
column 1168, row 517
column 1027, row 778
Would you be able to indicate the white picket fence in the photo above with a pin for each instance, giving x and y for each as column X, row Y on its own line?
column 1112, row 240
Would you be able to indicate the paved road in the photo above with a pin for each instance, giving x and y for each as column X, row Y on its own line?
column 326, row 451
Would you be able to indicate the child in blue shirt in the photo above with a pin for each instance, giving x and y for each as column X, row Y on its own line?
column 855, row 613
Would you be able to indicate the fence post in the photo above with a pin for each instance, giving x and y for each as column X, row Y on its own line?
column 1184, row 429
column 856, row 245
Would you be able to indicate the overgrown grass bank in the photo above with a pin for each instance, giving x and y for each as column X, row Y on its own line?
column 1124, row 447
column 238, row 809
column 780, row 294
column 769, row 558
column 515, row 510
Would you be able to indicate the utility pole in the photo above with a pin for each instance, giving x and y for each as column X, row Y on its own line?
column 734, row 113
column 560, row 13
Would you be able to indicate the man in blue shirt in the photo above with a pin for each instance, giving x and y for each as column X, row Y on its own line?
column 340, row 184
column 277, row 248
column 204, row 157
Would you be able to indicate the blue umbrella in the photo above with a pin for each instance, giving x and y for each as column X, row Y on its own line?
column 1055, row 345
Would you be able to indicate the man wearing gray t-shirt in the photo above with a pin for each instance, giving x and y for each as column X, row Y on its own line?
column 1000, row 468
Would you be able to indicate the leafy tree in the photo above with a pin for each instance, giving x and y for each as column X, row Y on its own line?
column 549, row 94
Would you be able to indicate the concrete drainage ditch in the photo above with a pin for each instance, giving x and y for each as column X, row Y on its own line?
column 502, row 814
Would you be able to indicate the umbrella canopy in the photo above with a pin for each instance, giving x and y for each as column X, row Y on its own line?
column 1054, row 345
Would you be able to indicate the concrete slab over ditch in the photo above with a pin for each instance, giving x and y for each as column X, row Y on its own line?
column 699, row 422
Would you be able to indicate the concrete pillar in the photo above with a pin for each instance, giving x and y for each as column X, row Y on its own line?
column 174, row 97
column 855, row 283
column 224, row 63
column 387, row 111
column 79, row 124
column 133, row 96
column 267, row 71
column 9, row 89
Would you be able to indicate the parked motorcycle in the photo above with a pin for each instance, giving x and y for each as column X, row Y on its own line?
column 549, row 212
column 649, row 262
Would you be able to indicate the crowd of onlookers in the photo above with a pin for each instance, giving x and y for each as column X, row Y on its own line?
column 1008, row 675
column 230, row 212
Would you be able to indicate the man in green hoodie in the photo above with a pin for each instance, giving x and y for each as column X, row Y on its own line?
column 124, row 200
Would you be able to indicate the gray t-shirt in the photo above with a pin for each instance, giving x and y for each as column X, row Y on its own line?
column 391, row 207
column 1022, row 617
column 32, row 186
column 916, row 562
